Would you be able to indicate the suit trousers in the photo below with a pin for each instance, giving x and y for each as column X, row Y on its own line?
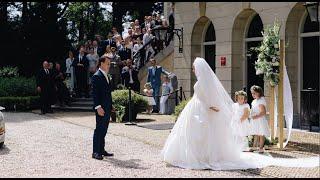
column 102, row 124
column 156, row 93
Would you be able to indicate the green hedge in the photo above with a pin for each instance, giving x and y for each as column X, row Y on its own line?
column 20, row 103
column 178, row 109
column 17, row 87
column 120, row 102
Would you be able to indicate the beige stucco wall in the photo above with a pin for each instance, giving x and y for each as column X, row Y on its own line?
column 229, row 41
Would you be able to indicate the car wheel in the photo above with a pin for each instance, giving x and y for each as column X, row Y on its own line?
column 1, row 144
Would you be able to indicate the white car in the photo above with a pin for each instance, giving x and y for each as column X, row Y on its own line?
column 2, row 127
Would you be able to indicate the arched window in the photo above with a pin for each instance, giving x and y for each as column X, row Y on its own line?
column 253, row 39
column 209, row 46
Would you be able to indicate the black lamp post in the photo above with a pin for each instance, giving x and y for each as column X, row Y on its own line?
column 313, row 10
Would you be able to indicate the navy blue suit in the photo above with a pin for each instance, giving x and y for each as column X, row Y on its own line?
column 155, row 80
column 101, row 96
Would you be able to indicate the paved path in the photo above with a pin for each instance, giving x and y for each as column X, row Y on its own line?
column 60, row 145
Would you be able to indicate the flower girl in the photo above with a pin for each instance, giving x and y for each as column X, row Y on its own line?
column 241, row 112
column 148, row 91
column 260, row 127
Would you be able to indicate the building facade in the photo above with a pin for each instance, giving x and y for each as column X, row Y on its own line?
column 223, row 32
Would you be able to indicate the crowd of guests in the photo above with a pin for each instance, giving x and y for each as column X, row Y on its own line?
column 128, row 54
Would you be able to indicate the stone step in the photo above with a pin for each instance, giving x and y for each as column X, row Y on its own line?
column 83, row 99
column 73, row 108
column 82, row 103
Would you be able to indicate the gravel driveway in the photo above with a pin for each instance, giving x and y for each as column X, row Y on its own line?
column 40, row 146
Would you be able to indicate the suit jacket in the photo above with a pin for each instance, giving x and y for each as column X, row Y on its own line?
column 125, row 53
column 101, row 92
column 45, row 81
column 84, row 61
column 126, row 76
column 155, row 79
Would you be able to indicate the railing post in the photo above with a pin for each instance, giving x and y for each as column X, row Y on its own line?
column 180, row 93
column 177, row 102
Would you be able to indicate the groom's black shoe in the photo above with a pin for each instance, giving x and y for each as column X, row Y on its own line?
column 97, row 156
column 105, row 153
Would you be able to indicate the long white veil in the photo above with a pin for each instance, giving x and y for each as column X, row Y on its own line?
column 216, row 95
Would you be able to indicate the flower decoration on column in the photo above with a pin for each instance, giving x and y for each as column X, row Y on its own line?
column 269, row 54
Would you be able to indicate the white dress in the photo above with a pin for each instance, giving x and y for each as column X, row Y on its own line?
column 205, row 139
column 150, row 99
column 243, row 127
column 259, row 126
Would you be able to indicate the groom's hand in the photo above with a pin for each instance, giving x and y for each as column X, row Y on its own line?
column 100, row 111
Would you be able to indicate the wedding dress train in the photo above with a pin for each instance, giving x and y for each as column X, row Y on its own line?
column 204, row 139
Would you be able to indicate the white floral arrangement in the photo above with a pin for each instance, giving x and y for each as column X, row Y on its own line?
column 268, row 62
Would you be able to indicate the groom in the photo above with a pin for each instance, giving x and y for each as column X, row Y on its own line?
column 103, row 106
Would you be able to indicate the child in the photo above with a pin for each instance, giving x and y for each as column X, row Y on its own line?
column 149, row 93
column 260, row 127
column 166, row 89
column 241, row 111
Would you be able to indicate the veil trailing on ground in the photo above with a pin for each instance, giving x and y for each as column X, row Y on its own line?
column 204, row 139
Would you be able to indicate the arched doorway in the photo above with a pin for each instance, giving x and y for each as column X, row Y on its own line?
column 310, row 73
column 203, row 44
column 253, row 39
column 209, row 46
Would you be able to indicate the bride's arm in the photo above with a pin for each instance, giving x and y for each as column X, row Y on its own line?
column 205, row 98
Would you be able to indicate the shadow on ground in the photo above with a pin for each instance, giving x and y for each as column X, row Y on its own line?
column 129, row 164
column 4, row 150
column 304, row 147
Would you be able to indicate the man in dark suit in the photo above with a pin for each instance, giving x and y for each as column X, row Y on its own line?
column 45, row 84
column 81, row 64
column 154, row 77
column 102, row 99
column 130, row 76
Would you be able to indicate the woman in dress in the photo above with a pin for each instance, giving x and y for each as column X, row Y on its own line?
column 70, row 78
column 204, row 136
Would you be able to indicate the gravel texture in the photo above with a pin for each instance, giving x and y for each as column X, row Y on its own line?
column 60, row 145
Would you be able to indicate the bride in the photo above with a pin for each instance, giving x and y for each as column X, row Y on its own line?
column 204, row 136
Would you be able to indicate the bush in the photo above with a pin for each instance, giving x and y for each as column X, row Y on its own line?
column 178, row 109
column 17, row 87
column 20, row 103
column 9, row 72
column 120, row 102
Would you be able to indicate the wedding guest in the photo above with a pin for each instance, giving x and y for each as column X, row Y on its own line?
column 124, row 51
column 148, row 91
column 138, row 59
column 260, row 127
column 241, row 112
column 93, row 61
column 70, row 79
column 80, row 65
column 130, row 76
column 115, row 32
column 63, row 96
column 166, row 90
column 146, row 38
column 44, row 84
column 154, row 77
column 115, row 67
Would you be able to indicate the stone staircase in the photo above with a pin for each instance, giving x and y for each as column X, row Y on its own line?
column 164, row 58
column 79, row 104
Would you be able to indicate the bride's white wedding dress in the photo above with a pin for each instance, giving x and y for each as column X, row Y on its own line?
column 204, row 139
